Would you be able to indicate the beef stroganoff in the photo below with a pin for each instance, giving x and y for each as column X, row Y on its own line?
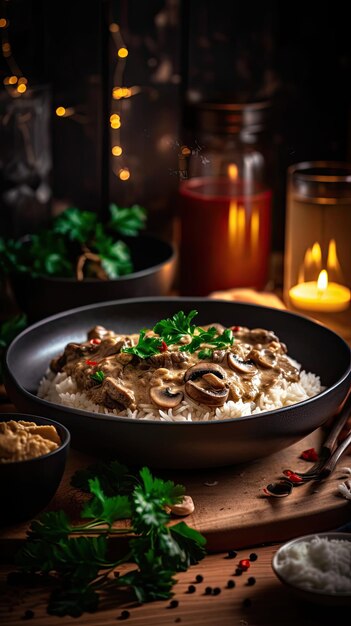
column 177, row 371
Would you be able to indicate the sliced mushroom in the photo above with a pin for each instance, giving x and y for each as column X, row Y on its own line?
column 214, row 381
column 218, row 356
column 165, row 397
column 206, row 395
column 198, row 370
column 237, row 364
column 265, row 358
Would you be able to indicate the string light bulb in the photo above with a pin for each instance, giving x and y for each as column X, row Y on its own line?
column 116, row 151
column 3, row 22
column 22, row 88
column 122, row 52
column 124, row 173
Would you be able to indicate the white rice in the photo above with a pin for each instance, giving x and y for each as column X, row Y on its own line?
column 62, row 389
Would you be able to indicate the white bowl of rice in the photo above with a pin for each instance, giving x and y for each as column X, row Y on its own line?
column 317, row 567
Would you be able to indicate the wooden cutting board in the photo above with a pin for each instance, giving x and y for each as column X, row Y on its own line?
column 231, row 509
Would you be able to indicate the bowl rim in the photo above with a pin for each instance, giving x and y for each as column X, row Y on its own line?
column 49, row 422
column 170, row 258
column 175, row 299
column 339, row 535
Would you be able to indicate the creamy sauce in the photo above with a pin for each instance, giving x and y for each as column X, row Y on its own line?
column 255, row 361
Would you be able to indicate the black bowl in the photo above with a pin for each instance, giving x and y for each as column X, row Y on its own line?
column 182, row 444
column 27, row 487
column 154, row 262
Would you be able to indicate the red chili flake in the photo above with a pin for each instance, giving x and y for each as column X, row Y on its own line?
column 235, row 328
column 163, row 347
column 95, row 342
column 91, row 362
column 294, row 478
column 310, row 455
column 244, row 563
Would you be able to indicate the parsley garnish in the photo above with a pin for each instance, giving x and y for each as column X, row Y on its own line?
column 173, row 329
column 98, row 376
column 146, row 346
column 75, row 558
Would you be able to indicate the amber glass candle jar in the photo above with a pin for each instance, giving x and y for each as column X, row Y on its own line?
column 317, row 274
column 225, row 200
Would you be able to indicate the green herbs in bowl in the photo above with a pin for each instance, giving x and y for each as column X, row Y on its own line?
column 79, row 260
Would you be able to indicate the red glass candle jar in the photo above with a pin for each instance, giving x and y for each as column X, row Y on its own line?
column 225, row 202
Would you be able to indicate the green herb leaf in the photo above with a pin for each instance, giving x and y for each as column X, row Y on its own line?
column 190, row 540
column 127, row 221
column 73, row 601
column 77, row 225
column 146, row 346
column 103, row 508
column 152, row 581
column 49, row 255
column 98, row 376
column 176, row 327
column 206, row 353
column 10, row 328
column 51, row 525
column 114, row 477
column 115, row 255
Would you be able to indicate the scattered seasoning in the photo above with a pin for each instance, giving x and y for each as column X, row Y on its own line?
column 247, row 602
column 253, row 556
column 238, row 571
column 124, row 615
column 231, row 554
column 235, row 328
column 216, row 591
column 163, row 347
column 244, row 564
column 191, row 589
column 173, row 604
column 251, row 581
column 91, row 362
column 199, row 578
column 310, row 455
column 294, row 478
column 29, row 614
column 95, row 342
column 208, row 591
column 230, row 584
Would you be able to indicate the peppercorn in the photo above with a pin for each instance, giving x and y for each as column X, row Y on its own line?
column 247, row 602
column 253, row 556
column 124, row 615
column 173, row 604
column 29, row 614
column 230, row 584
column 231, row 554
column 216, row 591
column 251, row 581
column 238, row 571
column 191, row 589
column 208, row 591
column 199, row 578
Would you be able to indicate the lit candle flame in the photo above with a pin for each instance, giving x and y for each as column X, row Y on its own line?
column 322, row 282
column 316, row 254
column 233, row 207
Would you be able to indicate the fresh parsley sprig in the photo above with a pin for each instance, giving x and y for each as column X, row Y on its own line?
column 76, row 557
column 146, row 346
column 172, row 330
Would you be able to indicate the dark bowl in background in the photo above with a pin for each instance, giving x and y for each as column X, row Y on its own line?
column 27, row 487
column 154, row 262
column 181, row 445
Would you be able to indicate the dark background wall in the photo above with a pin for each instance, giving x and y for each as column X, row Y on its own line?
column 299, row 56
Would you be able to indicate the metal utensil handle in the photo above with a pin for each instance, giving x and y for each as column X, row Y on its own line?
column 340, row 422
column 331, row 463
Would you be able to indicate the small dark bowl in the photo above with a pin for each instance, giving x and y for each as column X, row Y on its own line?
column 154, row 262
column 27, row 487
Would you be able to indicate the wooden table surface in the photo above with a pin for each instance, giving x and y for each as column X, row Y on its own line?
column 267, row 602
